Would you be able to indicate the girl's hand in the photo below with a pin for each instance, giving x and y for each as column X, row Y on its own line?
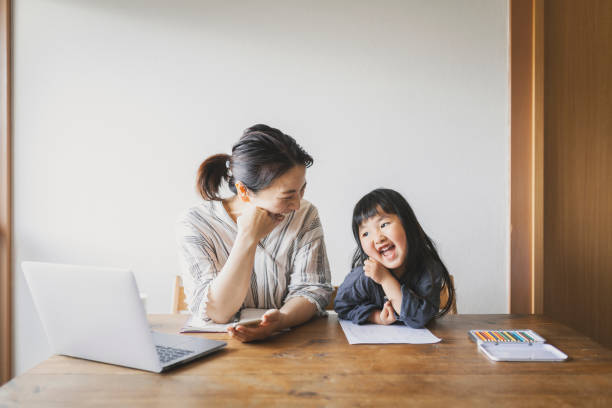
column 270, row 323
column 375, row 271
column 255, row 223
column 387, row 314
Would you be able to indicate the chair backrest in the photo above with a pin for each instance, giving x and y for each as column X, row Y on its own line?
column 444, row 298
column 330, row 305
column 178, row 300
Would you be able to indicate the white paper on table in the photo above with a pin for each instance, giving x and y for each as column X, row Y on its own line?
column 380, row 334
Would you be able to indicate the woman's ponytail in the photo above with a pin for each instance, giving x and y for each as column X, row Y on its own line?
column 210, row 175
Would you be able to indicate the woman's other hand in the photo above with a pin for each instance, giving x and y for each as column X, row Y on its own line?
column 270, row 323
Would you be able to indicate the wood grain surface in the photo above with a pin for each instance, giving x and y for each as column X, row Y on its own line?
column 6, row 193
column 521, row 156
column 313, row 365
column 578, row 166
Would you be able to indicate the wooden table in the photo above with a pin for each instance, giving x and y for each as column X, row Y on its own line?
column 313, row 365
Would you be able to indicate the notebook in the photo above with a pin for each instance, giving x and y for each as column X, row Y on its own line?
column 515, row 345
column 197, row 325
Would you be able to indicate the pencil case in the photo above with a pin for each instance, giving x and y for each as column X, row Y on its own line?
column 515, row 345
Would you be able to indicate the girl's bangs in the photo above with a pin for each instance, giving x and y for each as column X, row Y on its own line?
column 370, row 205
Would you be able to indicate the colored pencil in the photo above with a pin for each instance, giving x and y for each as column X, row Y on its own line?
column 480, row 336
column 526, row 335
column 494, row 337
column 501, row 336
column 487, row 335
column 509, row 335
column 520, row 335
column 514, row 337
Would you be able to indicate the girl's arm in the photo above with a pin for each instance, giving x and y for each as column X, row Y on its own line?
column 393, row 290
column 355, row 300
column 413, row 309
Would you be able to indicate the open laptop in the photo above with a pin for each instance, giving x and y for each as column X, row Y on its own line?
column 96, row 314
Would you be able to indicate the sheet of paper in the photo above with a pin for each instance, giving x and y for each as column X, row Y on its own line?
column 197, row 325
column 379, row 334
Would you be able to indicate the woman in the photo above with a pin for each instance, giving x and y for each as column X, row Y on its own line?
column 262, row 247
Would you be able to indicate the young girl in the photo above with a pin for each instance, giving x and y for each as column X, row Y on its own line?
column 397, row 274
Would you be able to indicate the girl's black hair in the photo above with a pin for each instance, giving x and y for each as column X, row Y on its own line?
column 422, row 253
column 261, row 155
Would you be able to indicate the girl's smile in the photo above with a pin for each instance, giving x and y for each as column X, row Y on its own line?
column 383, row 239
column 387, row 251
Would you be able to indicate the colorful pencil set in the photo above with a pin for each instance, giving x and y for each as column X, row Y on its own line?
column 515, row 345
column 505, row 336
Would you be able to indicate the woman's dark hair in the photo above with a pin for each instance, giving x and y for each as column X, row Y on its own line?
column 422, row 253
column 261, row 155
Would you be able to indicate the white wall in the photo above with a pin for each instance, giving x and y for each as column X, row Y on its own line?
column 117, row 102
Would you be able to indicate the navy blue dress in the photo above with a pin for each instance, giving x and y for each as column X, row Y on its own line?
column 359, row 295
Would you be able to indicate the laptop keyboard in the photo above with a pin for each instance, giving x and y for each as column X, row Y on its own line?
column 169, row 353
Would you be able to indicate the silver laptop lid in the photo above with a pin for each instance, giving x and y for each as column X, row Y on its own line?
column 93, row 313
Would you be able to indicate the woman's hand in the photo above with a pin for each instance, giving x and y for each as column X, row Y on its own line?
column 375, row 271
column 385, row 316
column 255, row 223
column 270, row 323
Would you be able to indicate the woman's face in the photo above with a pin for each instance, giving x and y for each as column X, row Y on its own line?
column 283, row 195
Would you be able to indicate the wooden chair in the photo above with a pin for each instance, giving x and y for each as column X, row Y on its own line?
column 178, row 300
column 330, row 305
column 444, row 298
column 179, row 305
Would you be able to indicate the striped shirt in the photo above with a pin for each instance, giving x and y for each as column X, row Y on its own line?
column 290, row 261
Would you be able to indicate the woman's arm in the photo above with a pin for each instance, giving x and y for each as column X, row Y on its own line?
column 229, row 289
column 296, row 311
column 309, row 288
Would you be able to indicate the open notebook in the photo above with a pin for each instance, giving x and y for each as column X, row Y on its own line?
column 196, row 325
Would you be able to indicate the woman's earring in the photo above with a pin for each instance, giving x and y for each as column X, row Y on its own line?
column 242, row 193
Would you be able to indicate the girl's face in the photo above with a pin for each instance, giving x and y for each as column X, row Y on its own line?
column 283, row 195
column 383, row 239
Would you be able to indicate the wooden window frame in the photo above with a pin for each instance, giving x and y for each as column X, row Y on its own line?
column 526, row 156
column 6, row 198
